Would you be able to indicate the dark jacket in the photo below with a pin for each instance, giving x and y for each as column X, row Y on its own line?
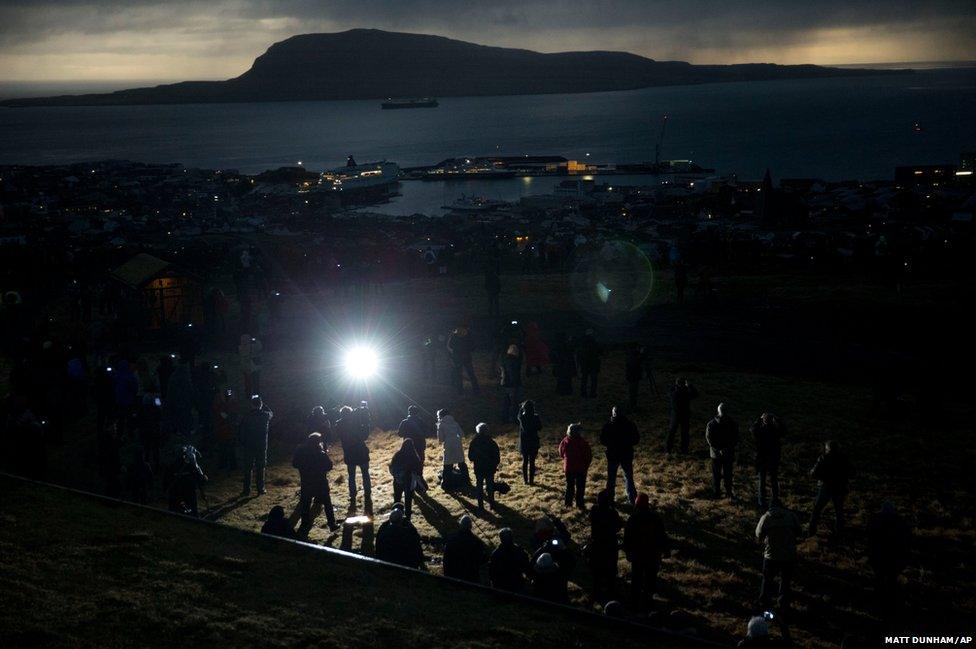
column 464, row 554
column 484, row 454
column 404, row 465
column 278, row 527
column 352, row 434
column 399, row 542
column 413, row 428
column 619, row 435
column 644, row 537
column 767, row 438
column 253, row 430
column 722, row 435
column 507, row 567
column 313, row 465
column 777, row 531
column 588, row 354
column 459, row 348
column 529, row 427
column 511, row 371
column 833, row 471
column 550, row 586
column 605, row 523
column 681, row 396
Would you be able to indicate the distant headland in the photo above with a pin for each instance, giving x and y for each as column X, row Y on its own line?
column 375, row 64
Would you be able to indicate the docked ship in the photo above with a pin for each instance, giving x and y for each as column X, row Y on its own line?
column 416, row 102
column 362, row 182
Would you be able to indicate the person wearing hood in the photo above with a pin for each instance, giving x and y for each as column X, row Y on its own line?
column 313, row 464
column 619, row 437
column 645, row 543
column 605, row 523
column 277, row 524
column 406, row 469
column 768, row 432
column 511, row 382
column 509, row 564
column 485, row 456
column 415, row 429
column 450, row 435
column 889, row 545
column 777, row 530
column 548, row 581
column 397, row 541
column 833, row 472
column 528, row 442
column 577, row 456
column 464, row 553
column 722, row 436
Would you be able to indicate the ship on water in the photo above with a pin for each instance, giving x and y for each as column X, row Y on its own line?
column 362, row 182
column 415, row 102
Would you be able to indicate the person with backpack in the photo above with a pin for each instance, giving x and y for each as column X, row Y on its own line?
column 253, row 435
column 528, row 442
column 645, row 543
column 833, row 472
column 619, row 437
column 407, row 470
column 313, row 464
column 485, row 456
column 353, row 429
column 722, row 436
column 577, row 456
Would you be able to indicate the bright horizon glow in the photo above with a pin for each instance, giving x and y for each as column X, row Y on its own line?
column 360, row 363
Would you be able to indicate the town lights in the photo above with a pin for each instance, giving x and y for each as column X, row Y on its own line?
column 360, row 363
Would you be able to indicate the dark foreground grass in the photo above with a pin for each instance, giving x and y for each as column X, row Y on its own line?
column 78, row 571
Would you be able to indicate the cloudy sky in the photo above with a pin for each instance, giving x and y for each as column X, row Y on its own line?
column 104, row 40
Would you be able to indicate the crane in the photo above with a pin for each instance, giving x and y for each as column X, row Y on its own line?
column 660, row 141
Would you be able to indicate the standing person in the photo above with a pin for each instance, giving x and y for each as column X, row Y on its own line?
column 485, row 456
column 536, row 350
column 722, row 435
column 588, row 353
column 398, row 541
column 459, row 348
column 681, row 395
column 352, row 435
column 528, row 442
column 249, row 352
column 406, row 469
column 645, row 542
column 253, row 433
column 777, row 531
column 832, row 471
column 313, row 464
column 224, row 423
column 577, row 456
column 563, row 364
column 620, row 436
column 493, row 287
column 509, row 564
column 318, row 422
column 449, row 434
column 605, row 523
column 633, row 373
column 187, row 479
column 464, row 553
column 768, row 432
column 511, row 383
column 415, row 429
column 889, row 542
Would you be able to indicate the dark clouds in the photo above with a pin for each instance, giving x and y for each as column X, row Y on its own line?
column 219, row 38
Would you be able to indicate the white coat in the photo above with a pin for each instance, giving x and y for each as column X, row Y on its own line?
column 449, row 435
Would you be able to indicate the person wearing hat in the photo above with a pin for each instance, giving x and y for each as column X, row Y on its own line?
column 464, row 553
column 722, row 435
column 511, row 382
column 397, row 541
column 509, row 564
column 548, row 582
column 645, row 543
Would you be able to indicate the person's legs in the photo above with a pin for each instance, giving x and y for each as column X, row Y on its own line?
column 259, row 471
column 351, row 470
column 717, row 476
column 768, row 574
column 672, row 431
column 568, row 495
column 532, row 457
column 628, row 467
column 326, row 499
column 580, row 489
column 480, row 480
column 525, row 468
column 248, row 465
column 838, row 500
column 408, row 502
column 397, row 492
column 785, row 582
column 469, row 369
column 685, row 428
column 367, row 484
column 457, row 378
column 612, row 466
column 823, row 497
column 304, row 508
column 774, row 481
column 490, row 488
column 727, row 474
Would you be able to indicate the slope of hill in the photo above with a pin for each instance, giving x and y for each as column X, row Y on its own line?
column 83, row 571
column 370, row 64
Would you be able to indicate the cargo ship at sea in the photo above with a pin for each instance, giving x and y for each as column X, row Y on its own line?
column 416, row 102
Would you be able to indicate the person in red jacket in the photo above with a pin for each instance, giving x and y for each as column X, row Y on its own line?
column 577, row 455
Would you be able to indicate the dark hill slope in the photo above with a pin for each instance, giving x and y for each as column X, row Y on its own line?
column 370, row 64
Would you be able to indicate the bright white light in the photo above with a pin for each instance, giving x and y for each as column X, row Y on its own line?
column 360, row 363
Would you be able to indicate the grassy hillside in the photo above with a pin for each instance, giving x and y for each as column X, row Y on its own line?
column 79, row 571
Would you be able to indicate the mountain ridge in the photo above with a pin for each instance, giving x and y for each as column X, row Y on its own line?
column 376, row 64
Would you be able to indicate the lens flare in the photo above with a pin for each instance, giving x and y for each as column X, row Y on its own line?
column 360, row 362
